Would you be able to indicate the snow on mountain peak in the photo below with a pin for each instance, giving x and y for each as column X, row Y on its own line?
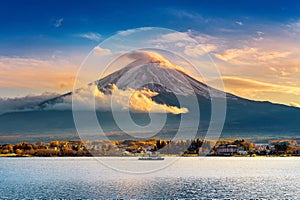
column 153, row 57
column 153, row 71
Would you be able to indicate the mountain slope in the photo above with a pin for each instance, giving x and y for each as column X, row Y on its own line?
column 244, row 118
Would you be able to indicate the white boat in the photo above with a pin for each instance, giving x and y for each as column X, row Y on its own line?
column 152, row 158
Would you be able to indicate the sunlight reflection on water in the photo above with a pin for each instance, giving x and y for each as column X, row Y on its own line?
column 85, row 178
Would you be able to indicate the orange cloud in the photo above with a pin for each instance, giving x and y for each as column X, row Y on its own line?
column 48, row 75
column 262, row 91
column 295, row 104
column 135, row 100
column 249, row 55
column 248, row 84
column 262, row 63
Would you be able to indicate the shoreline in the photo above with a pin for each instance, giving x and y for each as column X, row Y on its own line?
column 154, row 147
column 164, row 156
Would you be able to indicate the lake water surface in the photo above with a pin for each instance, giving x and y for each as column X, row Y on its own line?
column 185, row 178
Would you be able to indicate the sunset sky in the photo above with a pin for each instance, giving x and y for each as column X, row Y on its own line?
column 255, row 44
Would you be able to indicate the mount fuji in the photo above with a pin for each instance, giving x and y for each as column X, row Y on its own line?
column 244, row 117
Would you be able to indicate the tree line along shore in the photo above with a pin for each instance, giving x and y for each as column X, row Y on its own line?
column 149, row 147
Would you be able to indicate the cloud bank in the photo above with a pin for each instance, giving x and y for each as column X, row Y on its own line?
column 121, row 100
column 25, row 103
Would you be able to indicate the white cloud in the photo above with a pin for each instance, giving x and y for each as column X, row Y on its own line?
column 131, row 31
column 294, row 27
column 127, row 32
column 129, row 99
column 193, row 43
column 91, row 36
column 174, row 38
column 259, row 36
column 203, row 38
column 199, row 50
column 58, row 22
column 185, row 14
column 179, row 44
column 260, row 33
column 101, row 51
column 150, row 56
column 210, row 47
column 239, row 23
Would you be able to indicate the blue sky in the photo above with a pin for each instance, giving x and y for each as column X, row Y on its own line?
column 255, row 44
column 30, row 27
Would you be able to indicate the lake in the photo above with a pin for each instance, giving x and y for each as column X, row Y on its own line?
column 174, row 178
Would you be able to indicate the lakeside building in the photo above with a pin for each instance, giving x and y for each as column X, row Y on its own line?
column 227, row 150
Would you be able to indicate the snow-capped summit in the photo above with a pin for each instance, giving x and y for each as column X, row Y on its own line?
column 158, row 75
